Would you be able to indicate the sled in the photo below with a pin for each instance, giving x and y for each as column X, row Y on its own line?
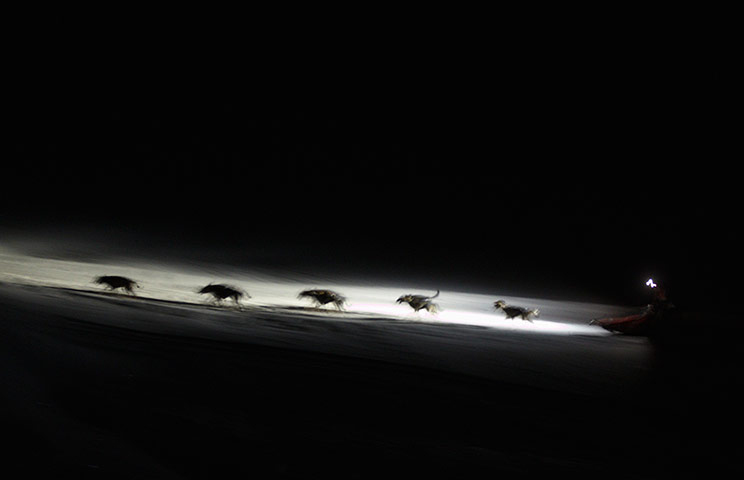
column 637, row 324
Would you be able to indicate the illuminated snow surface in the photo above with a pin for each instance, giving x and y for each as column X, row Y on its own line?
column 172, row 284
column 559, row 349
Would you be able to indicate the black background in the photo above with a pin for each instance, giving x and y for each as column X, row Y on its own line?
column 568, row 162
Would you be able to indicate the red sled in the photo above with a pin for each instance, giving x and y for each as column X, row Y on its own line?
column 638, row 324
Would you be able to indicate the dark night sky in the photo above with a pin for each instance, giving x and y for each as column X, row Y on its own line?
column 568, row 163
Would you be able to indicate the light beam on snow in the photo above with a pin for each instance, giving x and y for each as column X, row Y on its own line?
column 367, row 302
